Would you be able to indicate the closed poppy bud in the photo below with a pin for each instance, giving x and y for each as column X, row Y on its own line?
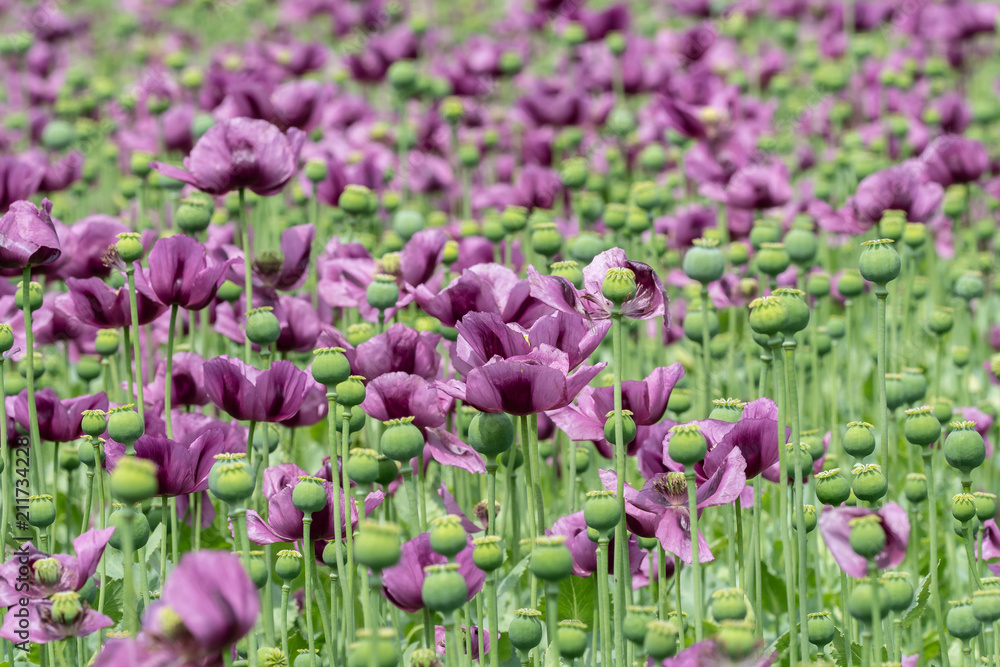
column 288, row 564
column 704, row 261
column 308, row 495
column 869, row 483
column 601, row 511
column 767, row 315
column 41, row 511
column 915, row 487
column 401, row 440
column 820, row 628
column 34, row 296
column 729, row 604
column 986, row 605
column 94, row 422
column 570, row 270
column 134, row 480
column 444, row 589
column 551, row 560
column 796, row 310
column 921, row 426
column 383, row 292
column 879, row 262
column 661, row 639
column 862, row 603
column 263, row 327
column 356, row 199
column 859, row 439
column 962, row 622
column 488, row 553
column 231, row 479
column 377, row 545
column 125, row 425
column 525, row 631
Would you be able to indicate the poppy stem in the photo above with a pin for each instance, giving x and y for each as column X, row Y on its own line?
column 87, row 502
column 494, row 625
column 8, row 470
column 848, row 621
column 800, row 522
column 247, row 279
column 692, row 489
column 881, row 293
column 29, row 360
column 101, row 518
column 128, row 584
column 163, row 541
column 928, row 455
column 284, row 618
column 349, row 572
column 620, row 532
column 338, row 524
column 309, row 558
column 603, row 543
column 786, row 539
column 143, row 577
column 136, row 348
column 706, row 355
column 758, row 561
column 661, row 578
column 491, row 495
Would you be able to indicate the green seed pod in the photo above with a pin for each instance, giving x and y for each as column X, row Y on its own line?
column 491, row 434
column 773, row 259
column 94, row 423
column 941, row 321
column 820, row 628
column 407, row 221
column 330, row 366
column 35, row 296
column 661, row 640
column 943, row 410
column 362, row 466
column 729, row 604
column 963, row 507
column 134, row 480
column 488, row 553
column 570, row 270
column 867, row 537
column 628, row 427
column 809, row 518
column 801, row 245
column 129, row 247
column 572, row 639
column 309, row 496
column 377, row 545
column 914, row 385
column 969, row 286
column 692, row 324
column 986, row 605
column 805, row 460
column 125, row 425
column 525, row 632
column 687, row 444
column 964, row 448
column 768, row 315
column 88, row 368
column 832, row 487
column 231, row 479
column 636, row 620
column 859, row 439
column 383, row 292
column 356, row 418
column 921, row 426
column 551, row 560
column 574, row 172
column 356, row 199
column 351, row 391
column 619, row 285
column 447, row 536
column 41, row 511
column 704, row 261
column 444, row 589
column 258, row 569
column 401, row 440
column 960, row 355
column 796, row 310
column 266, row 435
column 818, row 285
column 915, row 488
column 125, row 518
column 601, row 511
column 727, row 410
column 862, row 603
column 288, row 565
column 582, row 460
column 66, row 607
column 737, row 638
column 869, row 483
column 514, row 219
column 962, row 622
column 879, row 262
column 229, row 291
column 679, row 401
column 836, row 327
column 986, row 505
column 894, row 396
column 898, row 590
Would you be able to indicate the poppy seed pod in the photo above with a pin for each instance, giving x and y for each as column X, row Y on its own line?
column 356, row 199
column 356, row 417
column 921, row 426
column 382, row 292
column 129, row 247
column 126, row 518
column 546, row 239
column 801, row 245
column 601, row 511
column 525, row 631
column 914, row 385
column 231, row 479
column 263, row 327
column 805, row 460
column 619, row 285
column 637, row 619
column 514, row 218
column 915, row 488
column 796, row 310
column 692, row 323
column 41, row 511
column 362, row 466
column 309, row 496
column 572, row 639
column 818, row 285
column 447, row 535
column 704, row 261
column 330, row 366
column 986, row 605
column 134, row 480
column 867, row 537
column 628, row 427
column 570, row 270
column 551, row 560
column 351, row 391
column 488, row 553
column 820, row 628
column 962, row 622
column 869, row 483
column 377, row 545
column 737, row 639
column 832, row 487
column 986, row 505
column 879, row 262
column 288, row 564
column 35, row 296
column 727, row 410
column 729, row 604
column 851, row 284
column 94, row 423
column 661, row 639
column 969, row 286
column 401, row 440
column 768, row 315
column 444, row 589
column 859, row 439
column 964, row 448
column 862, row 603
column 963, row 507
column 894, row 396
column 687, row 444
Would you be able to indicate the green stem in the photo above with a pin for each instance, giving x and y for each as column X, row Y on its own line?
column 131, row 620
column 143, row 577
column 348, row 573
column 758, row 586
column 928, row 455
column 782, row 489
column 136, row 346
column 247, row 259
column 163, row 541
column 242, row 543
column 494, row 624
column 739, row 545
column 876, row 614
column 309, row 558
column 8, row 469
column 881, row 293
column 169, row 386
column 29, row 360
column 339, row 516
column 491, row 495
column 102, row 518
column 706, row 355
column 848, row 623
column 552, row 616
column 800, row 521
column 602, row 595
column 692, row 489
column 284, row 618
column 621, row 537
column 852, row 386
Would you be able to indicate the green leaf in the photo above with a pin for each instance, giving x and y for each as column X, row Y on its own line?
column 839, row 650
column 114, row 599
column 576, row 599
column 508, row 582
column 919, row 605
column 774, row 592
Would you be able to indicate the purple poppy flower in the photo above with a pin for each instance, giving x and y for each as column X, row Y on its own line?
column 660, row 508
column 72, row 571
column 523, row 385
column 85, row 245
column 208, row 604
column 648, row 302
column 102, row 306
column 399, row 349
column 954, row 159
column 901, row 187
column 755, row 435
column 402, row 583
column 44, row 628
column 240, row 153
column 314, row 408
column 489, row 288
column 584, row 550
column 711, row 652
column 451, row 507
column 284, row 521
column 249, row 394
column 180, row 469
column 440, row 634
column 180, row 274
column 759, row 186
column 19, row 179
column 188, row 381
column 285, row 271
column 483, row 336
column 835, row 527
column 27, row 236
column 58, row 421
column 991, row 546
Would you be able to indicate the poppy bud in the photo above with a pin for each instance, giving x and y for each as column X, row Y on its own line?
column 525, row 632
column 231, row 479
column 330, row 367
column 551, row 560
column 88, row 367
column 805, row 460
column 962, row 622
column 914, row 385
column 704, row 262
column 444, row 589
column 832, row 487
column 687, row 444
column 126, row 518
column 383, row 292
column 964, row 448
column 401, row 440
column 569, row 270
column 921, row 426
column 41, row 511
column 447, row 536
column 491, row 434
column 869, row 483
column 859, row 439
column 601, row 511
column 729, row 604
column 351, row 391
column 796, row 310
column 134, row 480
column 661, row 640
column 514, row 219
column 377, row 545
column 801, row 245
column 915, row 488
column 820, row 628
column 362, row 466
column 619, row 285
column 867, row 537
column 488, row 553
column 572, row 639
column 356, row 199
column 772, row 259
column 129, row 247
column 288, row 564
column 125, row 425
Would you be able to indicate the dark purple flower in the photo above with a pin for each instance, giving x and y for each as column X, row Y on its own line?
column 755, row 435
column 44, row 628
column 180, row 469
column 102, row 306
column 284, row 271
column 85, row 245
column 712, row 652
column 399, row 349
column 19, row 179
column 180, row 274
column 489, row 288
column 240, row 153
column 461, row 631
column 249, row 394
column 954, row 159
column 27, row 236
column 759, row 186
column 58, row 421
column 397, row 395
column 835, row 527
column 402, row 583
column 901, row 187
column 648, row 301
column 584, row 550
column 72, row 571
column 188, row 381
column 523, row 385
